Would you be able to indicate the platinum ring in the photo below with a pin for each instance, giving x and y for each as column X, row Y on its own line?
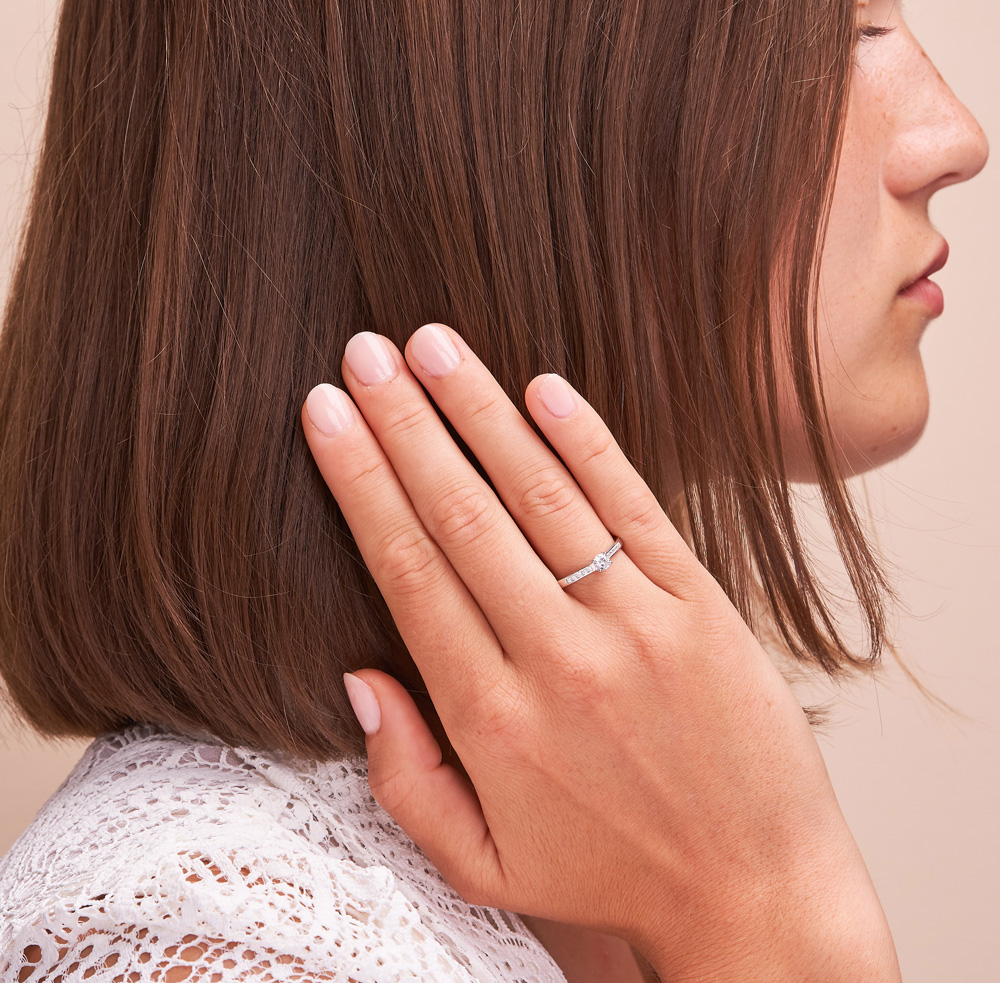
column 600, row 562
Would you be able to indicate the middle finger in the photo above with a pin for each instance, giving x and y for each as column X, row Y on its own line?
column 539, row 491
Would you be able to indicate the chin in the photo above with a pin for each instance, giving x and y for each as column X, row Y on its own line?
column 879, row 440
column 868, row 434
column 889, row 450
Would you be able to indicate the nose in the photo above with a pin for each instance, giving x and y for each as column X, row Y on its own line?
column 937, row 141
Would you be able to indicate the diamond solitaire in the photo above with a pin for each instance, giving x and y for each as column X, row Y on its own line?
column 600, row 562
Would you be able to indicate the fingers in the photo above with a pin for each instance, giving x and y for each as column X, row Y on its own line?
column 463, row 550
column 458, row 509
column 435, row 805
column 618, row 494
column 549, row 507
column 419, row 585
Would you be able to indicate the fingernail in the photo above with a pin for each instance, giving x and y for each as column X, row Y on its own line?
column 556, row 396
column 370, row 358
column 434, row 350
column 329, row 409
column 362, row 698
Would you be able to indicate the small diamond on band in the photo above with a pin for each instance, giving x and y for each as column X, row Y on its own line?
column 600, row 562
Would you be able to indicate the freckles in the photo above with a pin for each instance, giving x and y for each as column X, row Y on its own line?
column 887, row 122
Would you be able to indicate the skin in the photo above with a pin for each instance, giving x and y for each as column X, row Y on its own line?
column 907, row 137
column 634, row 762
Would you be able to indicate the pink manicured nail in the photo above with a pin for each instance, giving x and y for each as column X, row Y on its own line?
column 556, row 396
column 362, row 698
column 329, row 409
column 370, row 358
column 434, row 350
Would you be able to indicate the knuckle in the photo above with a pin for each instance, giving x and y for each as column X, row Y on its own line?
column 497, row 716
column 710, row 633
column 642, row 513
column 367, row 472
column 596, row 448
column 461, row 516
column 484, row 405
column 545, row 493
column 654, row 650
column 724, row 628
column 391, row 786
column 577, row 680
column 408, row 562
column 404, row 420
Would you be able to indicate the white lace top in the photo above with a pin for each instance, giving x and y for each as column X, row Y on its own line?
column 164, row 858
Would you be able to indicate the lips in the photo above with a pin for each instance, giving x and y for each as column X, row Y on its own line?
column 935, row 264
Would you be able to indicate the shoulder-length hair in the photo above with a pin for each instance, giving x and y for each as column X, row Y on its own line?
column 228, row 189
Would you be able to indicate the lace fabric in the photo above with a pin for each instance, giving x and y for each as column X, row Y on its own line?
column 167, row 858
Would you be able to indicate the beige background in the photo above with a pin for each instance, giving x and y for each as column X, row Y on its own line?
column 920, row 789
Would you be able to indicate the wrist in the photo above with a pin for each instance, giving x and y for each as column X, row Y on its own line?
column 820, row 924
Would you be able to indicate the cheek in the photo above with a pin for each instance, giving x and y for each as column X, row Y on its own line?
column 873, row 377
column 858, row 278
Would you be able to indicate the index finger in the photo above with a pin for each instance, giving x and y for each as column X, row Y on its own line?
column 420, row 587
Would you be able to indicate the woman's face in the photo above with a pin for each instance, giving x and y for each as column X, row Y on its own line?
column 907, row 137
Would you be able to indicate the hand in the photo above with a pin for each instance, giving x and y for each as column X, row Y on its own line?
column 635, row 762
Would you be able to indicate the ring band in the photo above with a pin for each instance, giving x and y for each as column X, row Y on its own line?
column 600, row 562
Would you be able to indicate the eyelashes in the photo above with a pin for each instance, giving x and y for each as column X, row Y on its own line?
column 867, row 31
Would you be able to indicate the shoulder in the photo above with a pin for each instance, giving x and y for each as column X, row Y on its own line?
column 161, row 850
column 138, row 798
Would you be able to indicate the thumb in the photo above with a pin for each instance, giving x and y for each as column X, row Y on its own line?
column 434, row 803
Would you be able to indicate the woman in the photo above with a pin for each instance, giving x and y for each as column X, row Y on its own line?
column 635, row 198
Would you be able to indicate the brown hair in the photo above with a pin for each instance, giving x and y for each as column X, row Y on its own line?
column 228, row 190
